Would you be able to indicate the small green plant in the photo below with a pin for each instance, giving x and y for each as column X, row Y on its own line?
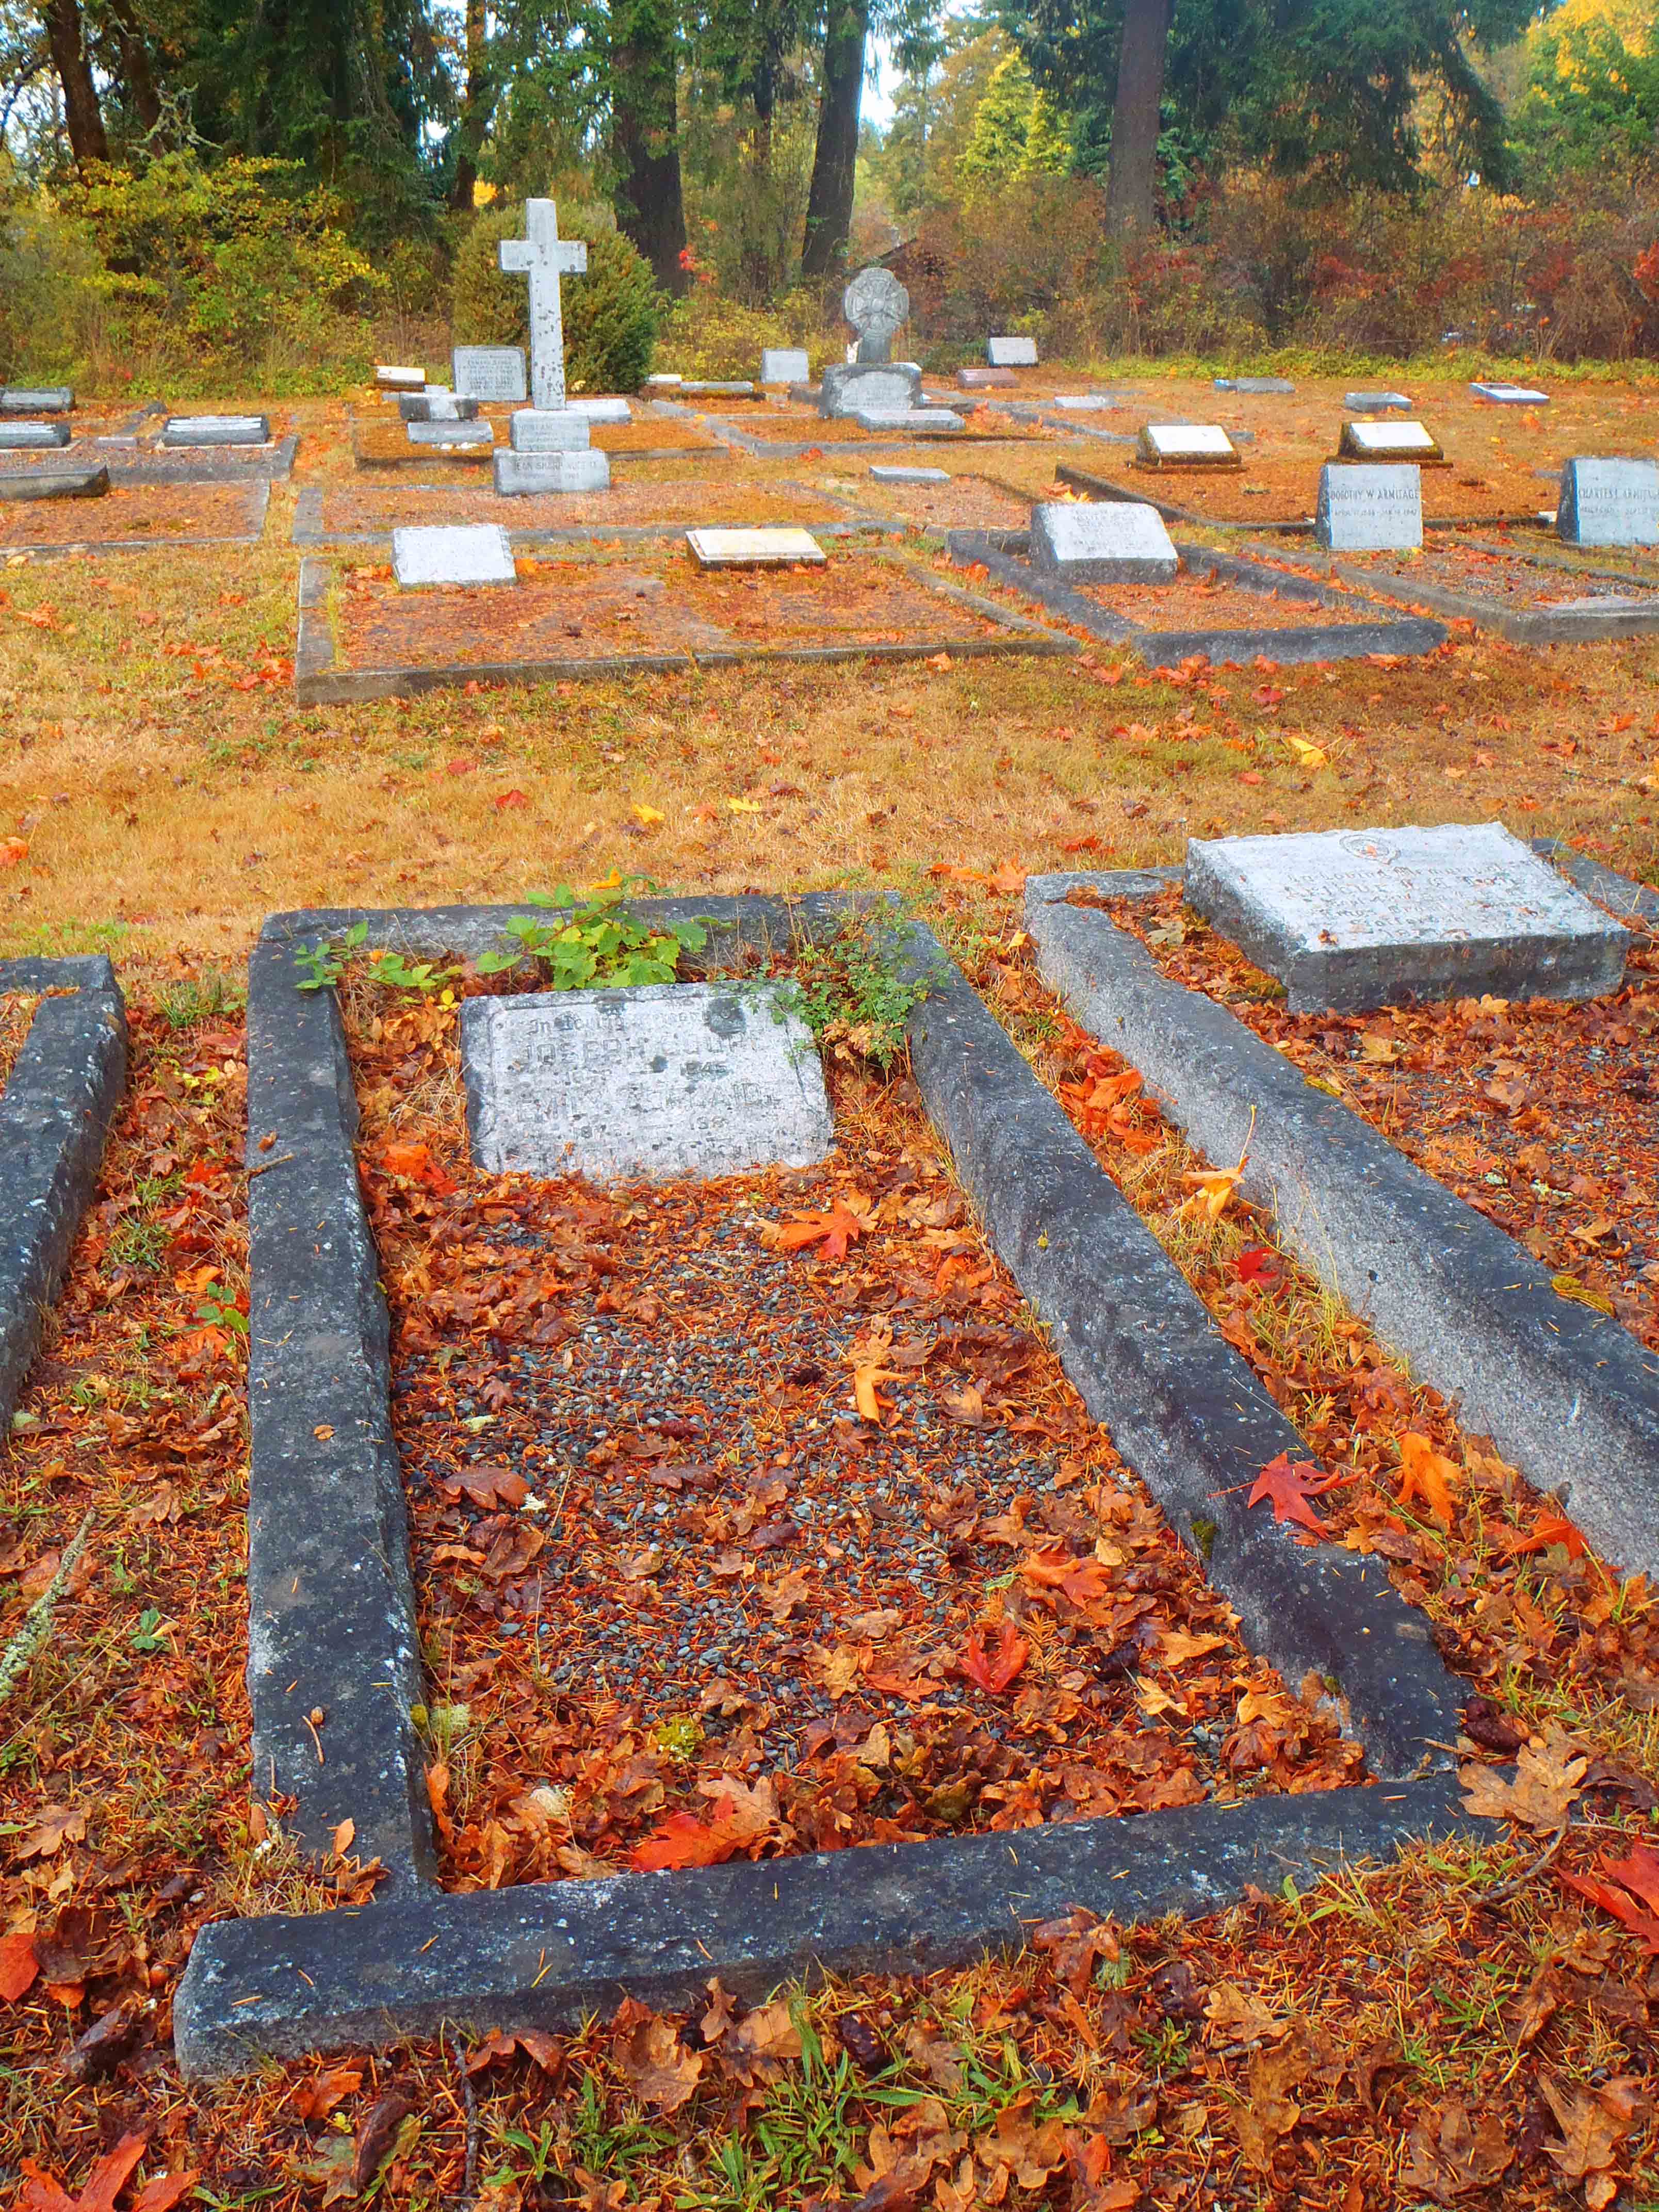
column 397, row 974
column 851, row 995
column 322, row 964
column 219, row 1309
column 597, row 942
column 199, row 998
column 143, row 1638
column 135, row 1248
column 678, row 1739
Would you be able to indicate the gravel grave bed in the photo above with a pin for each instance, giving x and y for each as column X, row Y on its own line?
column 576, row 611
column 1539, row 1114
column 1206, row 603
column 1507, row 578
column 752, row 1515
column 162, row 512
column 629, row 505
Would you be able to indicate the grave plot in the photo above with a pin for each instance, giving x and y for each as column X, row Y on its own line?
column 128, row 446
column 334, row 1659
column 63, row 1068
column 131, row 519
column 966, row 499
column 1528, row 601
column 380, row 442
column 360, row 637
column 367, row 514
column 794, row 426
column 1219, row 607
column 1476, row 1179
column 1279, row 490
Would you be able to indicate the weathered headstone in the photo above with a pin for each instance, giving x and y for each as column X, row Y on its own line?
column 458, row 432
column 1350, row 920
column 1012, row 352
column 871, row 387
column 878, row 305
column 1368, row 507
column 1376, row 402
column 474, row 553
column 560, row 469
column 1387, row 441
column 986, row 379
column 658, row 1081
column 785, row 365
column 892, row 475
column 55, row 483
column 550, row 431
column 436, row 407
column 755, row 549
column 495, row 374
column 26, row 399
column 16, row 437
column 1109, row 542
column 543, row 256
column 1605, row 501
column 1265, row 384
column 216, row 430
column 1185, row 446
column 1511, row 395
column 395, row 376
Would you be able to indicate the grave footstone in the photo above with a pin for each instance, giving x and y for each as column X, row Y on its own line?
column 36, row 399
column 1376, row 402
column 459, row 432
column 1367, row 506
column 543, row 256
column 988, row 379
column 877, row 306
column 16, row 437
column 755, row 549
column 1511, row 395
column 1387, row 441
column 1085, row 403
column 892, row 475
column 1352, row 920
column 495, row 374
column 1267, row 384
column 785, row 365
column 1606, row 501
column 550, row 431
column 55, row 483
column 395, row 376
column 1111, row 542
column 185, row 430
column 909, row 421
column 1012, row 352
column 611, row 408
column 1185, row 446
column 436, row 407
column 664, row 379
column 657, row 1081
column 560, row 469
column 471, row 553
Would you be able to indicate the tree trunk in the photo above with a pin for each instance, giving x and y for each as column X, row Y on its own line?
column 137, row 76
column 829, row 202
column 1136, row 114
column 645, row 139
column 81, row 113
column 475, row 109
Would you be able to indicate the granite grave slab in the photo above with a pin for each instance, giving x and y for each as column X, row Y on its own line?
column 1369, row 506
column 608, row 407
column 755, row 549
column 1103, row 543
column 520, row 471
column 550, row 431
column 1388, row 441
column 1013, row 352
column 1185, row 446
column 1609, row 503
column 436, row 407
column 988, row 379
column 662, row 1080
column 1351, row 920
column 192, row 430
column 785, row 365
column 493, row 374
column 1376, row 402
column 398, row 376
column 883, row 472
column 446, row 435
column 1511, row 395
column 36, row 399
column 24, row 437
column 464, row 553
column 56, row 483
column 910, row 422
column 848, row 388
column 1278, row 384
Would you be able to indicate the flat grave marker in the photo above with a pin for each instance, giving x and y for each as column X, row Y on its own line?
column 559, row 469
column 1101, row 542
column 1012, row 352
column 495, row 373
column 755, row 549
column 1376, row 402
column 610, row 407
column 1369, row 507
column 1185, row 446
column 886, row 473
column 55, row 483
column 23, row 437
column 1511, row 395
column 466, row 553
column 1388, row 441
column 661, row 1080
column 550, row 431
column 988, row 379
column 36, row 399
column 1352, row 920
column 1273, row 384
column 189, row 431
column 910, row 422
column 398, row 376
column 459, row 432
column 1606, row 501
column 785, row 365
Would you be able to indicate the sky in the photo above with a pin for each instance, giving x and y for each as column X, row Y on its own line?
column 880, row 81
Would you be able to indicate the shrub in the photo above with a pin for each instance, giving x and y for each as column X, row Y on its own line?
column 707, row 334
column 612, row 315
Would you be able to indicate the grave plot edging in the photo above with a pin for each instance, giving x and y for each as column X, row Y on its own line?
column 308, row 530
column 1637, row 903
column 54, row 1115
column 549, row 1954
column 1001, row 553
column 260, row 507
column 1519, row 627
column 1567, row 1395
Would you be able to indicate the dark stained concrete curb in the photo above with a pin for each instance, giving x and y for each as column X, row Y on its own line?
column 1566, row 1393
column 54, row 1114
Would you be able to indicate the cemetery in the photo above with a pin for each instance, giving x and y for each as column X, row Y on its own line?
column 829, row 1114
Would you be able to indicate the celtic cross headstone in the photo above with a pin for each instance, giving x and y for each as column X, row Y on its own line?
column 875, row 304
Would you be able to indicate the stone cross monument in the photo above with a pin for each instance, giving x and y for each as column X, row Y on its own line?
column 544, row 257
column 875, row 304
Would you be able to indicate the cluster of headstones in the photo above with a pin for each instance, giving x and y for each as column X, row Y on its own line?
column 33, row 420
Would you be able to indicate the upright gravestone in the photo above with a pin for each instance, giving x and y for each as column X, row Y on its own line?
column 435, row 406
column 1369, row 508
column 552, row 451
column 494, row 373
column 785, row 365
column 1609, row 503
column 658, row 1081
column 877, row 305
column 1113, row 542
column 1351, row 920
column 543, row 256
column 1012, row 352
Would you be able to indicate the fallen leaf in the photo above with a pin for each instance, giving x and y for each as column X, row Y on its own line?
column 648, row 816
column 315, row 2100
column 59, row 1825
column 162, row 2194
column 1428, row 1474
column 18, row 1966
column 1449, row 2156
column 377, row 2135
column 12, row 850
column 1547, row 1778
column 1288, row 1485
column 1236, row 2015
column 663, row 2073
column 1593, row 2123
column 1307, row 755
column 995, row 1667
column 835, row 1230
column 1618, row 1887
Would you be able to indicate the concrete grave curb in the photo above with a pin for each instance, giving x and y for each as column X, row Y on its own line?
column 331, row 1603
column 308, row 530
column 54, row 1115
column 1557, row 626
column 257, row 506
column 1003, row 553
column 319, row 679
column 1566, row 1393
column 178, row 464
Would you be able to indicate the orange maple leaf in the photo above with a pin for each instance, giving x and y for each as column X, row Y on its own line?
column 1549, row 1528
column 1288, row 1485
column 995, row 1666
column 835, row 1230
column 1428, row 1474
column 1634, row 1883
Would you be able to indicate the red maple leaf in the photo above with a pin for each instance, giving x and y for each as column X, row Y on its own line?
column 1259, row 1263
column 1549, row 1528
column 684, row 1840
column 1288, row 1485
column 995, row 1667
column 1634, row 1883
column 835, row 1230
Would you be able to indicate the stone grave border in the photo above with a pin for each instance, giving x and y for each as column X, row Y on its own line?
column 320, row 680
column 1549, row 626
column 1003, row 553
column 54, row 1114
column 732, row 435
column 178, row 464
column 1099, row 487
column 477, row 451
column 309, row 533
column 1567, row 1394
column 331, row 1602
column 258, row 506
